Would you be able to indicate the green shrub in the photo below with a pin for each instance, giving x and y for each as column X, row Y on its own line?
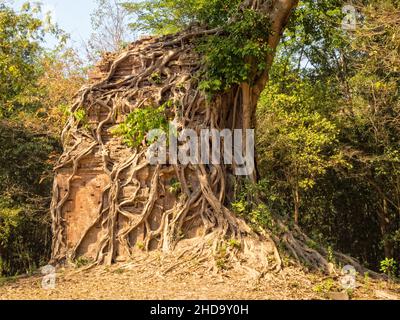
column 389, row 267
column 175, row 187
column 81, row 117
column 247, row 204
column 82, row 261
column 139, row 122
column 24, row 239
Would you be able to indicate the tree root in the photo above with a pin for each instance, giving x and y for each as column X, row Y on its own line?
column 137, row 210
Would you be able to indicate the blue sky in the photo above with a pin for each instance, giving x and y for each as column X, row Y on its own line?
column 73, row 16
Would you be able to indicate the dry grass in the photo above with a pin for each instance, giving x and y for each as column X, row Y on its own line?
column 133, row 281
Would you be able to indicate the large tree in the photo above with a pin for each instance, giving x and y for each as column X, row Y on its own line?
column 209, row 75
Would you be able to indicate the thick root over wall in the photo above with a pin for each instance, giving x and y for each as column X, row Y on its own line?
column 137, row 209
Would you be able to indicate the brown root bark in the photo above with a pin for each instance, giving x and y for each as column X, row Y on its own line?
column 200, row 208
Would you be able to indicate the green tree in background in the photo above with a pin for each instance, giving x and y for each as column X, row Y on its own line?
column 35, row 87
column 297, row 144
column 371, row 125
column 325, row 77
column 20, row 51
column 170, row 16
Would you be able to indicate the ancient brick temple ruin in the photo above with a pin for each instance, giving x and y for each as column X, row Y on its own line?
column 106, row 196
column 110, row 204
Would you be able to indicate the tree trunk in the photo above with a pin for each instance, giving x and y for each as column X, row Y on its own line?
column 110, row 204
column 384, row 222
column 296, row 199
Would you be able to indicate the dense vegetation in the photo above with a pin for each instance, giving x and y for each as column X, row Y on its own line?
column 35, row 88
column 328, row 122
column 329, row 129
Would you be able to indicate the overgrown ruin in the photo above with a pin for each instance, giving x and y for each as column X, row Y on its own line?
column 110, row 204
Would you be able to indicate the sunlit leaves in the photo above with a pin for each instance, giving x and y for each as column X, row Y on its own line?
column 139, row 122
column 294, row 133
column 238, row 54
column 170, row 16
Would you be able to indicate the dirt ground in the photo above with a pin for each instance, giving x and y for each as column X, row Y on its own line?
column 133, row 281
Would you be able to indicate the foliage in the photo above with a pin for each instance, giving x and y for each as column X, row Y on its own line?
column 175, row 186
column 230, row 57
column 389, row 267
column 34, row 87
column 62, row 75
column 139, row 122
column 325, row 286
column 140, row 245
column 314, row 39
column 170, row 16
column 221, row 257
column 371, row 128
column 234, row 244
column 82, row 261
column 20, row 35
column 248, row 206
column 297, row 143
column 81, row 117
column 328, row 123
column 25, row 182
column 156, row 78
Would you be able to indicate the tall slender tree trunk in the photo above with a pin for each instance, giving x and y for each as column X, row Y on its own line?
column 384, row 221
column 296, row 199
